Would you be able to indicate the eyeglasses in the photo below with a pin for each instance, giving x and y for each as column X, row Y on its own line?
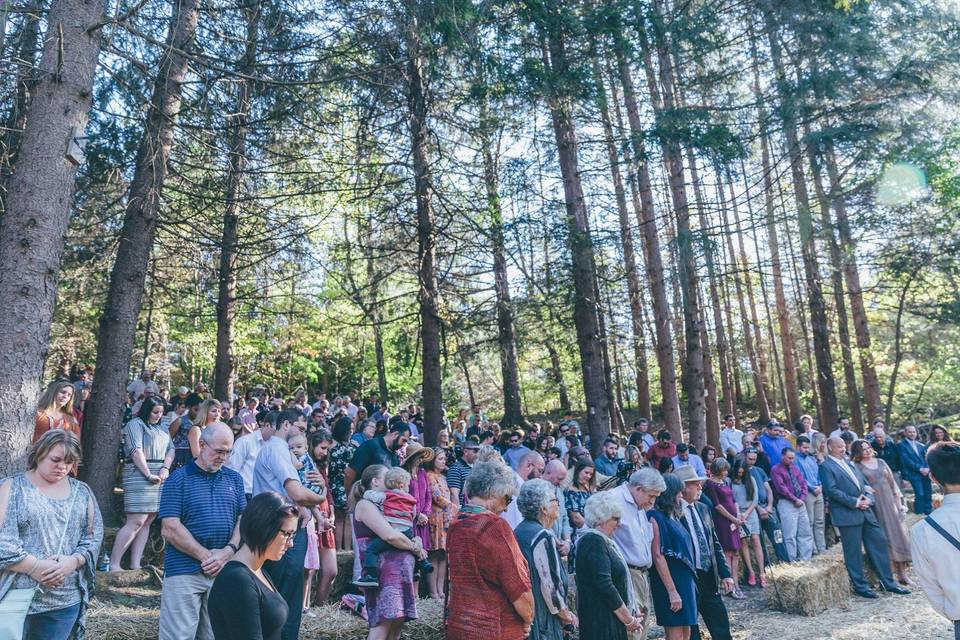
column 223, row 452
column 288, row 535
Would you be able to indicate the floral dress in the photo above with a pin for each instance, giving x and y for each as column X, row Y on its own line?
column 575, row 501
column 442, row 510
column 340, row 457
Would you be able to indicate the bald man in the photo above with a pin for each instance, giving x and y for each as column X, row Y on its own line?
column 556, row 474
column 852, row 512
column 202, row 500
column 530, row 467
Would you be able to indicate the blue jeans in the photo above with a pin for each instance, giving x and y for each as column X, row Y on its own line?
column 922, row 493
column 51, row 625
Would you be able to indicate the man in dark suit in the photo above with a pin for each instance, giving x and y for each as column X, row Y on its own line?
column 851, row 510
column 712, row 570
column 913, row 465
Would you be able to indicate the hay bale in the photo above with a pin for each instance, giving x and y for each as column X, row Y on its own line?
column 110, row 621
column 330, row 622
column 107, row 580
column 808, row 588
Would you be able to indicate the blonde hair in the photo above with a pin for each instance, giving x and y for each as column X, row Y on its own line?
column 296, row 436
column 396, row 478
column 49, row 397
column 204, row 410
column 51, row 439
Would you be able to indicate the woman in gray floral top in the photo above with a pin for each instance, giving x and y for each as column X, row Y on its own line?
column 50, row 535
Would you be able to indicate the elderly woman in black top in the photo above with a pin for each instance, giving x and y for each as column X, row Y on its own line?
column 540, row 508
column 244, row 604
column 602, row 572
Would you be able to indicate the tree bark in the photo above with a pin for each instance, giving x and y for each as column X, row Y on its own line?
column 711, row 433
column 580, row 241
column 792, row 388
column 897, row 347
column 38, row 203
column 836, row 278
column 626, row 245
column 26, row 79
column 429, row 293
column 647, row 221
column 224, row 365
column 851, row 274
column 757, row 366
column 118, row 323
column 692, row 379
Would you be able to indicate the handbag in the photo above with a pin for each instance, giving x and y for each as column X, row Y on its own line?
column 15, row 603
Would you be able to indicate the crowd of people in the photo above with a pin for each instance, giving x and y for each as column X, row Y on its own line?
column 256, row 497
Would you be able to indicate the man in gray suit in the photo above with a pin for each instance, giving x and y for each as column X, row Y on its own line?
column 851, row 510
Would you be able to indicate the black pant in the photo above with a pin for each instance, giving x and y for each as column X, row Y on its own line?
column 769, row 525
column 711, row 608
column 376, row 546
column 854, row 539
column 287, row 576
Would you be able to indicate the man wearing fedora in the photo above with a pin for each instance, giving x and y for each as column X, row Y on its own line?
column 713, row 573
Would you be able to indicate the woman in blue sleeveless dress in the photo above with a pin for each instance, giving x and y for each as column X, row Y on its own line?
column 673, row 585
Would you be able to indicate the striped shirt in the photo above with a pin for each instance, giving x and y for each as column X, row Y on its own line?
column 207, row 504
column 457, row 477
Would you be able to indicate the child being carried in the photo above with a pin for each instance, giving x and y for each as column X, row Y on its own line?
column 399, row 509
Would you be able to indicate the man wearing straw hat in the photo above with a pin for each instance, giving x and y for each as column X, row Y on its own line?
column 713, row 573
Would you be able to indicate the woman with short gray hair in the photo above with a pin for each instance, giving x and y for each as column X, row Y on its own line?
column 602, row 572
column 490, row 590
column 540, row 508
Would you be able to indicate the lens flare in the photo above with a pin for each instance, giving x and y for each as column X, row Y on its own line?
column 901, row 184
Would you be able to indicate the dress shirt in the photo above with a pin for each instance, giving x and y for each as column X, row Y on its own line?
column 634, row 534
column 514, row 455
column 690, row 514
column 244, row 458
column 607, row 466
column 731, row 439
column 273, row 468
column 694, row 461
column 936, row 561
column 561, row 528
column 837, row 433
column 847, row 468
column 512, row 515
column 784, row 480
column 773, row 447
column 810, row 469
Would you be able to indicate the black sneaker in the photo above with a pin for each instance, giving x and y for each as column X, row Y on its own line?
column 366, row 580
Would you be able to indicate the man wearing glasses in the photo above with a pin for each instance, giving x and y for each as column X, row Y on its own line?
column 517, row 451
column 199, row 512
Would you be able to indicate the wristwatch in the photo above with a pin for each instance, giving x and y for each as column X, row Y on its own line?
column 233, row 546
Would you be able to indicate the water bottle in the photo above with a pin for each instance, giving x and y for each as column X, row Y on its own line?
column 104, row 565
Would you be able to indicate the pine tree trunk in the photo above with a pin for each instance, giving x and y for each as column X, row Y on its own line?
column 26, row 79
column 38, row 203
column 118, row 323
column 647, row 221
column 223, row 372
column 836, row 278
column 583, row 265
column 506, row 333
column 792, row 388
column 626, row 245
column 692, row 378
column 711, row 432
column 429, row 292
column 826, row 386
column 851, row 273
column 757, row 367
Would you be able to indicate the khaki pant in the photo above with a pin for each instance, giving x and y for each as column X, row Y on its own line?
column 815, row 514
column 183, row 608
column 641, row 590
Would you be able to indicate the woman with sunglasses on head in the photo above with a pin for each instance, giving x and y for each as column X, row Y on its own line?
column 243, row 603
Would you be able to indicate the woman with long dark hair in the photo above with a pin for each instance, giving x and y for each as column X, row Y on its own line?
column 148, row 455
column 673, row 583
column 340, row 456
column 746, row 496
column 320, row 444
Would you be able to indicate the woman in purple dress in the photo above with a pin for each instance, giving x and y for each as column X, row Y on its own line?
column 394, row 601
column 726, row 517
column 420, row 489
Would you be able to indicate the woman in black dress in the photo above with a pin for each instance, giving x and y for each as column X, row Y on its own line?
column 606, row 602
column 244, row 604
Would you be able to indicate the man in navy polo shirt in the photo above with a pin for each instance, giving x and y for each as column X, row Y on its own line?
column 274, row 471
column 200, row 511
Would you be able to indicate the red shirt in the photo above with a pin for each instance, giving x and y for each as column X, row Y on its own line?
column 487, row 574
column 658, row 452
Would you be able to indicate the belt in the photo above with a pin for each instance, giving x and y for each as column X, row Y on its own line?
column 637, row 568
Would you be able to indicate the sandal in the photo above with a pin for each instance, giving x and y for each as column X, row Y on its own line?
column 752, row 580
column 763, row 581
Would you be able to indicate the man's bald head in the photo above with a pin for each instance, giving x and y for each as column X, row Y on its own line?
column 555, row 472
column 836, row 446
column 216, row 444
column 531, row 466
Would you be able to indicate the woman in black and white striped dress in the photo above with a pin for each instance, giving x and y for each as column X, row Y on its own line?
column 148, row 453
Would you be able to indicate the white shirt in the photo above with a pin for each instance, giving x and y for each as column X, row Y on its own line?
column 635, row 533
column 138, row 386
column 512, row 515
column 731, row 438
column 936, row 561
column 847, row 468
column 274, row 467
column 838, row 433
column 351, row 410
column 688, row 513
column 244, row 457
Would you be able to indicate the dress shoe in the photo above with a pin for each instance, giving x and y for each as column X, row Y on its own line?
column 867, row 593
column 896, row 589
